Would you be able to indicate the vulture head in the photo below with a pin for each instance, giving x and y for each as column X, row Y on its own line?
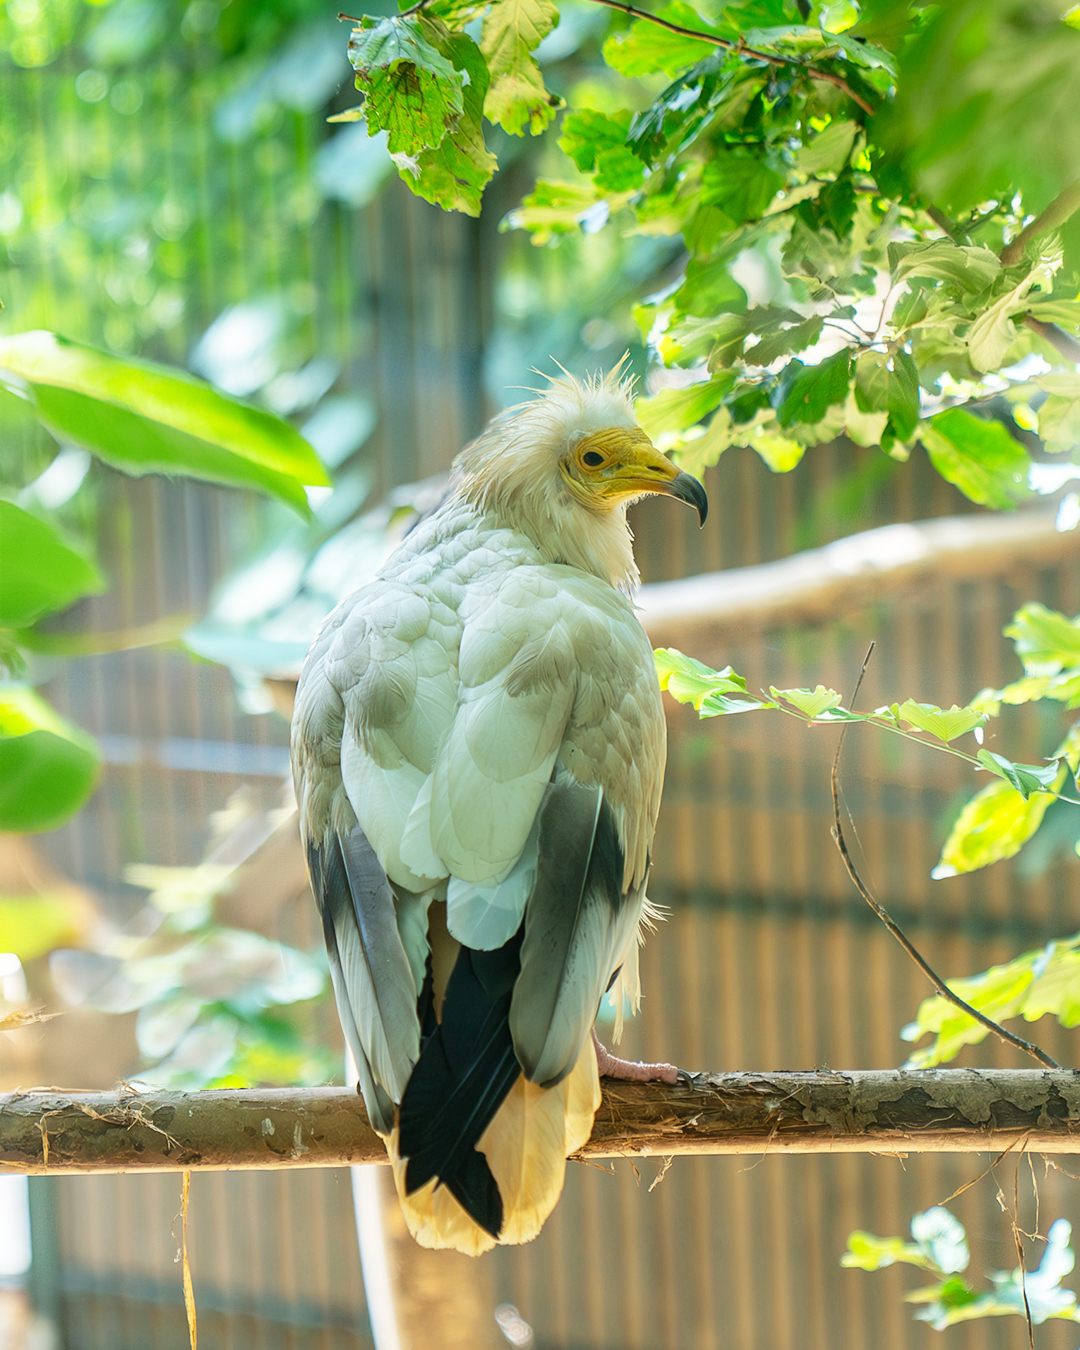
column 563, row 468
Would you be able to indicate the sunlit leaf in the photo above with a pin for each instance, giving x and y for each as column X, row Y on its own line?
column 516, row 97
column 944, row 723
column 412, row 90
column 145, row 418
column 996, row 823
column 48, row 768
column 39, row 573
column 810, row 702
column 646, row 48
column 978, row 456
column 1046, row 641
column 690, row 681
column 677, row 409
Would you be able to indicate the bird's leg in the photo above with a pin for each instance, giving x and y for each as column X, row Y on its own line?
column 631, row 1071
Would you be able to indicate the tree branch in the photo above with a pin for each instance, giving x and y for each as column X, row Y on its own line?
column 741, row 48
column 1062, row 342
column 1065, row 204
column 888, row 1111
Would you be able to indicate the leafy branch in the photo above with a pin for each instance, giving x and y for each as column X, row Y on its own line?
column 949, row 995
column 996, row 823
column 739, row 47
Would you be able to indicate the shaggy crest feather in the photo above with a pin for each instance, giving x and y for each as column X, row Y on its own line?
column 511, row 471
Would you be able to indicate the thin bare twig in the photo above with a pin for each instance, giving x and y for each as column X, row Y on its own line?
column 1014, row 1220
column 887, row 919
column 189, row 1289
column 1065, row 204
column 743, row 50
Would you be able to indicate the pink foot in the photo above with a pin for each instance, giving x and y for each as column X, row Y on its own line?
column 631, row 1071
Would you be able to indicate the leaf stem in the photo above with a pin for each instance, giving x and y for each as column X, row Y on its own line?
column 1065, row 204
column 886, row 918
column 740, row 48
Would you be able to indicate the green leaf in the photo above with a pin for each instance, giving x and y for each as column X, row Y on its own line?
column 945, row 724
column 145, row 418
column 552, row 208
column 996, row 823
column 647, row 48
column 992, row 331
column 810, row 702
column 804, row 393
column 677, row 409
column 987, row 103
column 715, row 705
column 597, row 144
column 1025, row 778
column 1046, row 641
column 999, row 993
column 828, row 151
column 1059, row 424
column 971, row 269
column 889, row 384
column 454, row 174
column 412, row 91
column 710, row 289
column 740, row 185
column 48, row 768
column 689, row 681
column 39, row 573
column 794, row 339
column 1064, row 312
column 866, row 1251
column 978, row 456
column 516, row 97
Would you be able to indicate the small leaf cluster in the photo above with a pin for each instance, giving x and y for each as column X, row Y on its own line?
column 940, row 1248
column 140, row 418
column 429, row 84
column 849, row 183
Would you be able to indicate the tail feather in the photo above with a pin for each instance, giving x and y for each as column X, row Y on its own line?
column 466, row 1068
column 525, row 1147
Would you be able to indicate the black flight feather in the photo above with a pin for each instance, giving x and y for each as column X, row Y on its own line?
column 465, row 1070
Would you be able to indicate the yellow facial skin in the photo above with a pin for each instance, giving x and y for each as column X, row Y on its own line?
column 611, row 466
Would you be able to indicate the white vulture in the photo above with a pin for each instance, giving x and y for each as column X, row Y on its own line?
column 480, row 728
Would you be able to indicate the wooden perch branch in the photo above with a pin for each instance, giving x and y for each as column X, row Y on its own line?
column 893, row 1111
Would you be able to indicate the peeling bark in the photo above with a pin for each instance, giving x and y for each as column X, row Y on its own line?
column 933, row 1111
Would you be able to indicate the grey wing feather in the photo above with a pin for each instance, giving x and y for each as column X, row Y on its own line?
column 373, row 983
column 574, row 921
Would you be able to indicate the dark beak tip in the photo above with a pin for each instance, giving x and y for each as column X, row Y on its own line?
column 689, row 490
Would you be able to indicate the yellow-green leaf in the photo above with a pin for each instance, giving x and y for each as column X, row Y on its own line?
column 944, row 723
column 996, row 823
column 516, row 97
column 810, row 702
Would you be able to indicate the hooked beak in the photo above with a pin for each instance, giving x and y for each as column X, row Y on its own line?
column 687, row 488
column 639, row 468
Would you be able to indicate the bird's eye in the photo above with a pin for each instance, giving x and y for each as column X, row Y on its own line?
column 592, row 459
